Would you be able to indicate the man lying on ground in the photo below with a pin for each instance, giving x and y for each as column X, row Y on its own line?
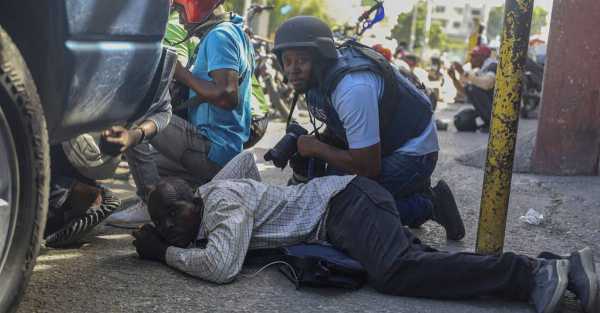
column 237, row 212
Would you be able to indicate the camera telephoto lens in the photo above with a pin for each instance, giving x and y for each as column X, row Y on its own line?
column 286, row 147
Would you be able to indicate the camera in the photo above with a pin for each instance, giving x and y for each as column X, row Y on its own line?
column 287, row 146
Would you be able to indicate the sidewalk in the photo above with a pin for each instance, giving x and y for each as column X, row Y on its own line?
column 105, row 274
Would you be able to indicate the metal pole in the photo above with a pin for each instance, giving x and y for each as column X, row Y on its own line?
column 413, row 27
column 504, row 124
column 428, row 21
column 247, row 4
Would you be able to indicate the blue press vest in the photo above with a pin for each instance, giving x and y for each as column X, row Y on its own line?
column 404, row 112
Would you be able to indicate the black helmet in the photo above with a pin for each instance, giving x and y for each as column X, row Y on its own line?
column 305, row 31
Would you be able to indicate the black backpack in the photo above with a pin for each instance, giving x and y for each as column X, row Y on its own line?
column 312, row 265
column 465, row 120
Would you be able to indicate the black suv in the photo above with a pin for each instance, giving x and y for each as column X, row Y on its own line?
column 66, row 67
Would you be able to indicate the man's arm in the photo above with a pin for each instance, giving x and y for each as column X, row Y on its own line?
column 455, row 80
column 154, row 121
column 159, row 115
column 241, row 166
column 223, row 62
column 485, row 81
column 222, row 91
column 223, row 257
column 356, row 100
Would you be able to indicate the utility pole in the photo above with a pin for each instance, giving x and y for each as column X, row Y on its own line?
column 428, row 21
column 247, row 4
column 413, row 27
column 503, row 131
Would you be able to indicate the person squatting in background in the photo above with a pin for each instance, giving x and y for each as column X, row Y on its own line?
column 478, row 84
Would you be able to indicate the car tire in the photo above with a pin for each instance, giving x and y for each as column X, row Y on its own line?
column 24, row 146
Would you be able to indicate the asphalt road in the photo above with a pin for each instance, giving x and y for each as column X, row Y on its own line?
column 105, row 274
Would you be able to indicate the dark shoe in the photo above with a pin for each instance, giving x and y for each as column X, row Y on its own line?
column 445, row 211
column 73, row 232
column 550, row 283
column 583, row 281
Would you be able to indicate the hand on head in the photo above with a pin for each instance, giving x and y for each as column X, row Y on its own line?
column 149, row 244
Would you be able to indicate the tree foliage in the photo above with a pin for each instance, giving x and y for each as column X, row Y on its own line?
column 236, row 6
column 539, row 20
column 496, row 18
column 315, row 8
column 495, row 21
column 401, row 32
column 299, row 7
column 437, row 36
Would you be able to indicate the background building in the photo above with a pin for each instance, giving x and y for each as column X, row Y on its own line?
column 456, row 17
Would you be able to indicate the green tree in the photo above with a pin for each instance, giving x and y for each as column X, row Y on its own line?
column 298, row 7
column 315, row 8
column 236, row 6
column 401, row 32
column 539, row 20
column 437, row 37
column 495, row 21
column 367, row 3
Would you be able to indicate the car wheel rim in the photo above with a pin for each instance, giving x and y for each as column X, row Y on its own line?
column 8, row 188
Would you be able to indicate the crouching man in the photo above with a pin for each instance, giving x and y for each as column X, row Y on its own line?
column 379, row 124
column 237, row 212
column 478, row 84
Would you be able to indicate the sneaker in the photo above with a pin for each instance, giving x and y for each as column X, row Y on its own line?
column 75, row 231
column 445, row 211
column 137, row 213
column 583, row 281
column 550, row 283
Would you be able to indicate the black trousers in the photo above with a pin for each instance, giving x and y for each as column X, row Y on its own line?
column 364, row 223
column 482, row 101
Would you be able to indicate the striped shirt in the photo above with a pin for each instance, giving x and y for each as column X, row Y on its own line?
column 243, row 213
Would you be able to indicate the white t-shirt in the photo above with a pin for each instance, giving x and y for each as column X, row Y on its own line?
column 356, row 100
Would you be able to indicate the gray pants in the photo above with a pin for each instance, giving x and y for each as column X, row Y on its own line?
column 178, row 150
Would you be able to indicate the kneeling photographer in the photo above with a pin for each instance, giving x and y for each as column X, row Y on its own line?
column 384, row 122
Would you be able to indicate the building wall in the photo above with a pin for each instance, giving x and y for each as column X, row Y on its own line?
column 456, row 16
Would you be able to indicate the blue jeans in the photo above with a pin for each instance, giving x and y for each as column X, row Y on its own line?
column 408, row 179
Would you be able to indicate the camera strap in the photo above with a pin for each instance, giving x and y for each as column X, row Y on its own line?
column 294, row 101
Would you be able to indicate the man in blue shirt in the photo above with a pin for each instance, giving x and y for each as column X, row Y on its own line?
column 220, row 77
column 218, row 126
column 380, row 123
